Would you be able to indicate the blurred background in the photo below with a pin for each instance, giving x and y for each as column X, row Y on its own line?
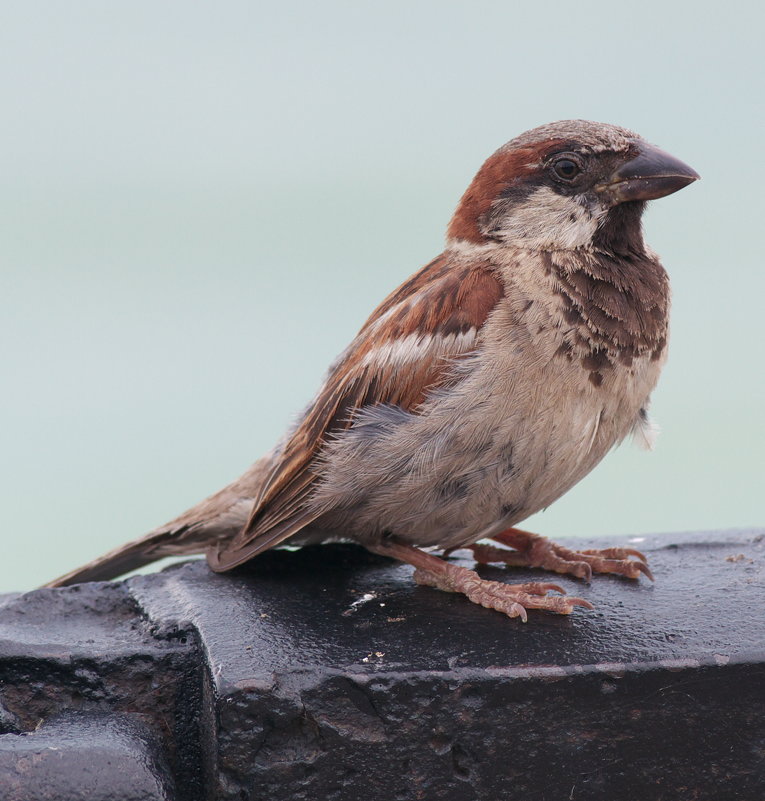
column 200, row 203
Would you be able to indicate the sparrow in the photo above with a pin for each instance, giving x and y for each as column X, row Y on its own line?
column 479, row 391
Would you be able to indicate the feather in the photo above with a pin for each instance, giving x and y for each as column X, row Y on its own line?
column 403, row 352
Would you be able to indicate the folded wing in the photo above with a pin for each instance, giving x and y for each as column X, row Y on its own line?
column 404, row 351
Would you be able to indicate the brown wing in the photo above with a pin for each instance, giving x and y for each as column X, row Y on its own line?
column 436, row 314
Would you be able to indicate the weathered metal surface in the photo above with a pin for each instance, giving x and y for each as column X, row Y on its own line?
column 90, row 649
column 78, row 756
column 329, row 674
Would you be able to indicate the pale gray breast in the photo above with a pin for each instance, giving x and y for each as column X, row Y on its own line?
column 521, row 427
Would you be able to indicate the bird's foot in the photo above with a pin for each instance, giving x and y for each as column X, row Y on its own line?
column 533, row 550
column 511, row 599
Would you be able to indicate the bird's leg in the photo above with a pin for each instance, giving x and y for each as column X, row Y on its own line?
column 533, row 550
column 511, row 599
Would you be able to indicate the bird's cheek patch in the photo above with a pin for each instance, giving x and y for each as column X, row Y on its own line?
column 544, row 220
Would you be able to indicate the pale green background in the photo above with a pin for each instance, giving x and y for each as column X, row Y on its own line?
column 201, row 202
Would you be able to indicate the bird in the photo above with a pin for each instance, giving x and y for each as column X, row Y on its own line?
column 479, row 391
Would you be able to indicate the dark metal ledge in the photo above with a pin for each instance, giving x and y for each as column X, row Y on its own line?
column 327, row 674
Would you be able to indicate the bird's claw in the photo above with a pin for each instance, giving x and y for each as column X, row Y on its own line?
column 531, row 550
column 512, row 600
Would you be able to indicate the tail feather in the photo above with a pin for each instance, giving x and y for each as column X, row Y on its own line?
column 213, row 521
column 124, row 559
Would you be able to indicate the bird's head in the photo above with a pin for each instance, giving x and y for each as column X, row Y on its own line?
column 566, row 185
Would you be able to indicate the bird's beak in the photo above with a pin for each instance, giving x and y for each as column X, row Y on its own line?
column 651, row 174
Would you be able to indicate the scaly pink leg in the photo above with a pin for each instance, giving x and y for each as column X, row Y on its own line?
column 511, row 599
column 533, row 550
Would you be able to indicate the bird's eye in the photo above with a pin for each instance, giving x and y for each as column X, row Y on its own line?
column 566, row 169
